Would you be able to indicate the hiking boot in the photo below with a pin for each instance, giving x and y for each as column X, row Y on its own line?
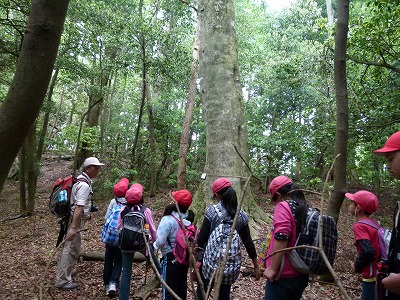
column 68, row 286
column 111, row 290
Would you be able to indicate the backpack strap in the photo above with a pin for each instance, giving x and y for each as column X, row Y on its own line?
column 82, row 180
column 129, row 208
column 179, row 222
column 370, row 223
column 293, row 205
column 222, row 218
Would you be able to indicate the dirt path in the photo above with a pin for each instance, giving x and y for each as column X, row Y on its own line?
column 26, row 247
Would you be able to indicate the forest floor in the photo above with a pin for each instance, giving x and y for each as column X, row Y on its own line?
column 28, row 257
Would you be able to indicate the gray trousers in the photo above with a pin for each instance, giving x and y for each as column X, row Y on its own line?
column 68, row 258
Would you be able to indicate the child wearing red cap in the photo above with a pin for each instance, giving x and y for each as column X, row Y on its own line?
column 109, row 236
column 173, row 273
column 391, row 151
column 283, row 281
column 134, row 201
column 363, row 204
column 223, row 211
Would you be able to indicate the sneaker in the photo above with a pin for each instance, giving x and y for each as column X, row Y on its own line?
column 111, row 289
column 68, row 286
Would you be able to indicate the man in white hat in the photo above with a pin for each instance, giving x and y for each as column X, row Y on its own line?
column 81, row 202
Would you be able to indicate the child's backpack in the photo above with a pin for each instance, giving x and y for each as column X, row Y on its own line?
column 310, row 261
column 180, row 250
column 131, row 238
column 110, row 232
column 384, row 235
column 216, row 248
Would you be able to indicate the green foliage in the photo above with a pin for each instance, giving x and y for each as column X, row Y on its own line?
column 286, row 70
column 316, row 184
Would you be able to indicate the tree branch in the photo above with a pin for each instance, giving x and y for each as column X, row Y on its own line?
column 374, row 63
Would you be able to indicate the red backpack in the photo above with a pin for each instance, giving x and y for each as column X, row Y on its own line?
column 60, row 197
column 180, row 250
column 60, row 202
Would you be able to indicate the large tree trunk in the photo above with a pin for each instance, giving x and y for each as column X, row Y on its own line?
column 342, row 122
column 28, row 89
column 221, row 95
column 185, row 136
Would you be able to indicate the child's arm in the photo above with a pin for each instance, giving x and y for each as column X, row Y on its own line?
column 366, row 255
column 149, row 220
column 162, row 233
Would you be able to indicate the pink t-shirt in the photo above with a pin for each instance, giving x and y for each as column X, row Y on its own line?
column 367, row 232
column 284, row 223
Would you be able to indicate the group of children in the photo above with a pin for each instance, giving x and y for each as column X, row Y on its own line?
column 118, row 264
column 283, row 280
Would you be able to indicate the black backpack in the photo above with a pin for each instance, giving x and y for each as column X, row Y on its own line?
column 131, row 238
column 310, row 261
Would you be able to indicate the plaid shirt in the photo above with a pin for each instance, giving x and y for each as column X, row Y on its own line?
column 110, row 232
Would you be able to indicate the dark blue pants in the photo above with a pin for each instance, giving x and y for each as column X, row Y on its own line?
column 368, row 290
column 112, row 265
column 175, row 275
column 286, row 288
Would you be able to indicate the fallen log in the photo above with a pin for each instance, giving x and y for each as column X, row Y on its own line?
column 99, row 256
column 146, row 290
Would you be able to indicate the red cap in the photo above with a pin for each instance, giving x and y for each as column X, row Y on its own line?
column 366, row 200
column 392, row 144
column 134, row 194
column 182, row 197
column 219, row 184
column 277, row 183
column 121, row 187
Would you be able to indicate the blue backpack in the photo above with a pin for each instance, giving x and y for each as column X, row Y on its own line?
column 110, row 232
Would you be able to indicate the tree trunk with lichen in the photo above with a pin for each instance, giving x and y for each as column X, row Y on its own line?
column 227, row 150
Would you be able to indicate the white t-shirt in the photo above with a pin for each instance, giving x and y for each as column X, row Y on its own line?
column 81, row 195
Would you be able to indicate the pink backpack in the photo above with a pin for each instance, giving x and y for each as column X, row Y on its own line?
column 180, row 250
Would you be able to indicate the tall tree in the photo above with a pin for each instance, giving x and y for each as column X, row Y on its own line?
column 34, row 67
column 222, row 99
column 342, row 118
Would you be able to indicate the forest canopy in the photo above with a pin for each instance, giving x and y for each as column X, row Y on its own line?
column 286, row 73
